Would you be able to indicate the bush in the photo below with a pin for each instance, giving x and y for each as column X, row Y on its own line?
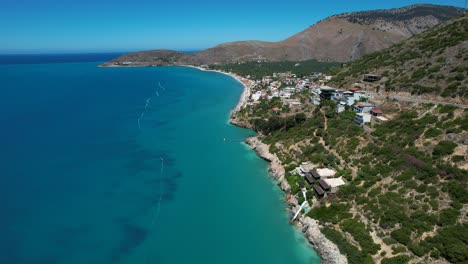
column 335, row 213
column 401, row 259
column 448, row 216
column 360, row 234
column 353, row 254
column 445, row 147
column 432, row 132
column 402, row 235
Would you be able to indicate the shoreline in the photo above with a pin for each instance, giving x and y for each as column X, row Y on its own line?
column 310, row 228
column 246, row 92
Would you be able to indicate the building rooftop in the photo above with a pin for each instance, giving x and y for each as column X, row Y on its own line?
column 325, row 172
column 335, row 182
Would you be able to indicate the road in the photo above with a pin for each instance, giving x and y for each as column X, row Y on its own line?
column 414, row 100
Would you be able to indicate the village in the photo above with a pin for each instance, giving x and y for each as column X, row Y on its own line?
column 296, row 94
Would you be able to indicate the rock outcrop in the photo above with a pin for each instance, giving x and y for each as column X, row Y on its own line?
column 328, row 251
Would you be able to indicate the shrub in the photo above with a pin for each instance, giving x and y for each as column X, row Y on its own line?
column 445, row 147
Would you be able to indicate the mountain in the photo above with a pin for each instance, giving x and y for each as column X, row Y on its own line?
column 341, row 38
column 434, row 62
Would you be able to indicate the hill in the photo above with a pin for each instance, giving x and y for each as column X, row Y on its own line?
column 339, row 38
column 433, row 62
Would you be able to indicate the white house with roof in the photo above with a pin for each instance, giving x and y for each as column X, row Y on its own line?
column 363, row 107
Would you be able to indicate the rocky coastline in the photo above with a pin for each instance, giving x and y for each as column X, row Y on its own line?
column 328, row 251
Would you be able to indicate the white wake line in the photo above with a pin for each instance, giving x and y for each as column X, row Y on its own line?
column 148, row 101
column 162, row 87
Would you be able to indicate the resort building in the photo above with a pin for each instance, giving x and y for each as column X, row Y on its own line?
column 325, row 173
column 318, row 190
column 304, row 168
column 334, row 183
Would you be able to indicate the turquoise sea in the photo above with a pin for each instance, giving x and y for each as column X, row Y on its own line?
column 129, row 165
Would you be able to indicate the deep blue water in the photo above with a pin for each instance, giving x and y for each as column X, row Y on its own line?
column 129, row 165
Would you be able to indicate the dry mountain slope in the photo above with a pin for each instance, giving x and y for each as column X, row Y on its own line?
column 341, row 37
column 434, row 63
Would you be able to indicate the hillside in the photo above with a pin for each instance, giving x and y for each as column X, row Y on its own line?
column 339, row 38
column 405, row 196
column 433, row 62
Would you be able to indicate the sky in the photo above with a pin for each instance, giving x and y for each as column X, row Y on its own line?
column 74, row 26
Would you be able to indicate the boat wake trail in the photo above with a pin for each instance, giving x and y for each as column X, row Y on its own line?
column 148, row 102
column 162, row 87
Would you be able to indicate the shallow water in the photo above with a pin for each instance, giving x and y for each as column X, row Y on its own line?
column 129, row 165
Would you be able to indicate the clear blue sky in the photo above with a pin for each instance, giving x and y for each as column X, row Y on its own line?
column 48, row 26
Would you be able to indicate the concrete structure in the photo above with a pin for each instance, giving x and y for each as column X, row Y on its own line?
column 335, row 183
column 327, row 93
column 325, row 173
column 340, row 108
column 363, row 107
column 304, row 168
column 362, row 118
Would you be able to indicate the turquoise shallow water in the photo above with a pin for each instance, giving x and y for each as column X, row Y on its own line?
column 82, row 181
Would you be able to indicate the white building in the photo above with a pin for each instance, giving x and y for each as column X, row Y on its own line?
column 340, row 108
column 363, row 107
column 362, row 118
column 256, row 96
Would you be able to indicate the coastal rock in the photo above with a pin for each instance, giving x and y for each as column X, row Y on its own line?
column 328, row 251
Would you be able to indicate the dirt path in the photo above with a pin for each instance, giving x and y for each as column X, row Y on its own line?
column 332, row 151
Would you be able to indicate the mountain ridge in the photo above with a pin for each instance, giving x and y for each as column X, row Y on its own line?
column 342, row 37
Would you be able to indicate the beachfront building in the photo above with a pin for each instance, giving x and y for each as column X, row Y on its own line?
column 362, row 118
column 256, row 96
column 305, row 168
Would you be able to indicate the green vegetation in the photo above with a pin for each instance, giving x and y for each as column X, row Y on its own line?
column 353, row 254
column 257, row 70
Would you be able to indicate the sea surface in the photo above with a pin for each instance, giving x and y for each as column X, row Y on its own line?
column 132, row 165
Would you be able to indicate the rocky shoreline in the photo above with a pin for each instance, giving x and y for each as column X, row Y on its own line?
column 328, row 251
